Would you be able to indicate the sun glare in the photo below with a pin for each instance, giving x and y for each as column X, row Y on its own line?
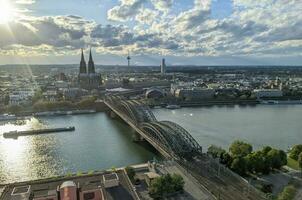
column 6, row 11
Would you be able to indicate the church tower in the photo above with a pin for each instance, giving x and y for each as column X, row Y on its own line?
column 91, row 69
column 83, row 69
column 88, row 79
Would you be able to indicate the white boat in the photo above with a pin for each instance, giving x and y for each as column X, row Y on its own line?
column 172, row 106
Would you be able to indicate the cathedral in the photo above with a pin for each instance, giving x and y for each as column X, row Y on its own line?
column 88, row 79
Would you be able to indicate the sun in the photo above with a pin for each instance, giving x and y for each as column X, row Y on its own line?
column 6, row 11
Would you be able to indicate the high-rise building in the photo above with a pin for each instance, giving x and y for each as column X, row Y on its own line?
column 88, row 79
column 163, row 66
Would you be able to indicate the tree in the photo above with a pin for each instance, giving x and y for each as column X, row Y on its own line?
column 226, row 159
column 266, row 149
column 277, row 157
column 300, row 160
column 288, row 193
column 130, row 172
column 295, row 151
column 6, row 99
column 239, row 165
column 37, row 96
column 14, row 109
column 86, row 103
column 216, row 152
column 166, row 184
column 240, row 149
column 255, row 162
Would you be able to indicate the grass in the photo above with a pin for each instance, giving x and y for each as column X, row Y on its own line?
column 292, row 163
column 288, row 193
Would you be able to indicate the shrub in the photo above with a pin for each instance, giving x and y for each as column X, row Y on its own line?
column 288, row 193
column 295, row 151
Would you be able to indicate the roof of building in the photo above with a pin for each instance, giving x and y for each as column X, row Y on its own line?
column 152, row 175
column 112, row 176
column 68, row 184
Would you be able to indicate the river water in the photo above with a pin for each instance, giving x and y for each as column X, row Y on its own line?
column 100, row 142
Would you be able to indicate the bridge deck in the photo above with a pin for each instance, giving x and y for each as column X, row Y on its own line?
column 141, row 132
column 223, row 184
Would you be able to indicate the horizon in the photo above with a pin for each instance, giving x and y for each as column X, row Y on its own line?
column 208, row 32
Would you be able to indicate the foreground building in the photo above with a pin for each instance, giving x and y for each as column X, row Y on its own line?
column 88, row 78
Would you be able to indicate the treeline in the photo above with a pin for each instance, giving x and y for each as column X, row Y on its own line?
column 40, row 106
column 242, row 159
column 296, row 154
column 64, row 105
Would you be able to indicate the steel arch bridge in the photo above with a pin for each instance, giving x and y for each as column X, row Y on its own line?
column 173, row 138
column 166, row 135
column 173, row 141
column 135, row 110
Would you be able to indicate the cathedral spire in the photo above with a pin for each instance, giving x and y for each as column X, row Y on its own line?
column 83, row 69
column 91, row 69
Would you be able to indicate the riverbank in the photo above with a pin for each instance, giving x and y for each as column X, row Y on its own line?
column 60, row 106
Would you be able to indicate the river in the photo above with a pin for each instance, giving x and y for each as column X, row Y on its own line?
column 100, row 142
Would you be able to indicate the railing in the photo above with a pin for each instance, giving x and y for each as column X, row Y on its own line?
column 205, row 168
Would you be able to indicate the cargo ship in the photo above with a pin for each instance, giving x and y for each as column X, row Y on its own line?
column 16, row 134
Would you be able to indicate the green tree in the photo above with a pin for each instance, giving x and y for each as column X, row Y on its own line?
column 130, row 172
column 166, row 184
column 255, row 162
column 295, row 151
column 37, row 96
column 240, row 149
column 6, row 100
column 277, row 157
column 215, row 152
column 300, row 160
column 288, row 193
column 239, row 165
column 266, row 149
column 14, row 109
column 226, row 159
column 86, row 103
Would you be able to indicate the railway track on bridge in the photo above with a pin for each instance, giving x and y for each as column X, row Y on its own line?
column 175, row 143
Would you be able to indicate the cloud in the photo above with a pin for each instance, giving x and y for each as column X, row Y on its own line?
column 162, row 5
column 255, row 28
column 26, row 2
column 126, row 10
column 56, row 31
column 147, row 16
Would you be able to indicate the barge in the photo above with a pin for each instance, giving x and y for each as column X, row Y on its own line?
column 16, row 134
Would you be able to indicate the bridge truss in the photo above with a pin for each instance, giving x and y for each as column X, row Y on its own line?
column 168, row 135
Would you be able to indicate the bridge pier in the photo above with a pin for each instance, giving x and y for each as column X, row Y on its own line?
column 136, row 137
column 112, row 114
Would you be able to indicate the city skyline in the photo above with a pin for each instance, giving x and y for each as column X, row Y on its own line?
column 209, row 32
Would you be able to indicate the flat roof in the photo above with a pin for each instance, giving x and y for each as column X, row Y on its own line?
column 152, row 175
column 112, row 176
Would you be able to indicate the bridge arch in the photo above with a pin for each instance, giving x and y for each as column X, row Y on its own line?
column 172, row 138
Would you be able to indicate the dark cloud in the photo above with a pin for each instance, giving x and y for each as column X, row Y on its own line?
column 54, row 31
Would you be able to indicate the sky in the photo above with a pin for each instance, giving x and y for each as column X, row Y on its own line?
column 185, row 32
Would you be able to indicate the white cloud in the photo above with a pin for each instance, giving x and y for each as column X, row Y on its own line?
column 126, row 10
column 162, row 5
column 264, row 27
column 25, row 2
column 147, row 16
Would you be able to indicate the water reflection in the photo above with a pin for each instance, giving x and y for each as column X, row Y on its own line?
column 97, row 143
